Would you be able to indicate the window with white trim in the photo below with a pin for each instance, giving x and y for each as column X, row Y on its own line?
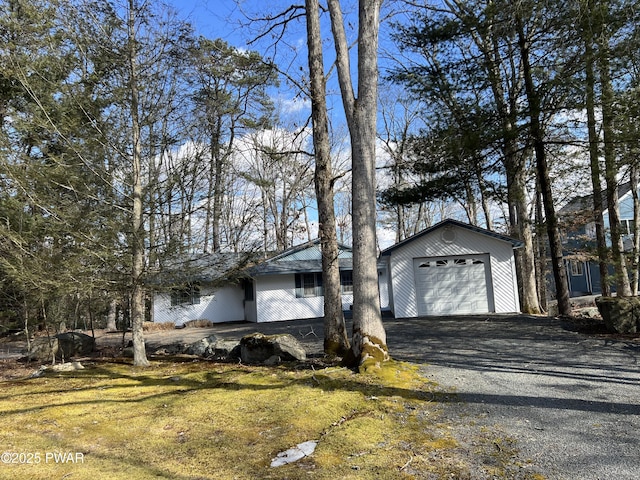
column 309, row 285
column 187, row 295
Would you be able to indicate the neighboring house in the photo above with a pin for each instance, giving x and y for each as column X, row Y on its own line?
column 579, row 239
column 453, row 268
column 450, row 268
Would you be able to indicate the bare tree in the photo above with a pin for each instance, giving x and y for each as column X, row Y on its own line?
column 335, row 333
column 137, row 246
column 369, row 344
column 281, row 170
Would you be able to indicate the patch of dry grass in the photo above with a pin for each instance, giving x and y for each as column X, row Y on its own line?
column 162, row 326
column 199, row 324
column 158, row 327
column 201, row 420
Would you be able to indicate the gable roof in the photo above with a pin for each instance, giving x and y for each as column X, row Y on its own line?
column 306, row 257
column 455, row 223
column 584, row 203
column 219, row 267
column 309, row 251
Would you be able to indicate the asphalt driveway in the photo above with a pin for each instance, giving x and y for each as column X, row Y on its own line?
column 571, row 401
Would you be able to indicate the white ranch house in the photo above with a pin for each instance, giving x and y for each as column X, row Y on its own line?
column 450, row 268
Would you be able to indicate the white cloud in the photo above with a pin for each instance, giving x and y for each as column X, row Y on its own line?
column 295, row 105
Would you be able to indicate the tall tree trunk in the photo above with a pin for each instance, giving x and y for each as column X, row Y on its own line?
column 635, row 273
column 369, row 342
column 555, row 244
column 520, row 224
column 515, row 169
column 541, row 253
column 137, row 235
column 623, row 286
column 335, row 332
column 484, row 200
column 470, row 204
column 111, row 316
column 594, row 159
column 218, row 160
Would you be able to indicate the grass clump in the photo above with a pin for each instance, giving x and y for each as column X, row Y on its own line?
column 158, row 327
column 200, row 420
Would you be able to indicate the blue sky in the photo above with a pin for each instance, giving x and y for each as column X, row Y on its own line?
column 227, row 19
column 212, row 18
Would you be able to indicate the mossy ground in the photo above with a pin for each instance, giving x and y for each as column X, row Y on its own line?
column 201, row 420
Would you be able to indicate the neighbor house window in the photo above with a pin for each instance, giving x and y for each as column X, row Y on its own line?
column 627, row 227
column 188, row 295
column 576, row 268
column 346, row 282
column 309, row 285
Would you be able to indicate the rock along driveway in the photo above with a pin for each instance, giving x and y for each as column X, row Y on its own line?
column 570, row 400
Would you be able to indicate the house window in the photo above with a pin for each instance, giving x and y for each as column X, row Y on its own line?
column 346, row 282
column 188, row 295
column 576, row 268
column 309, row 285
column 627, row 227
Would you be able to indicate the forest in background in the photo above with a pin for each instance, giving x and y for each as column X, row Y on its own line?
column 129, row 142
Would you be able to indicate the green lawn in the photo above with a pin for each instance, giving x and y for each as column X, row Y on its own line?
column 201, row 420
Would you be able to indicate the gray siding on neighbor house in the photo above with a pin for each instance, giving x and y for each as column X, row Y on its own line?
column 502, row 287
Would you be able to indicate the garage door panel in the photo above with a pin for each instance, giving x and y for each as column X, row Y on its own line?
column 454, row 285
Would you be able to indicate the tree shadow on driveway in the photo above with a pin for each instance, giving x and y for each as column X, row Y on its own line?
column 570, row 399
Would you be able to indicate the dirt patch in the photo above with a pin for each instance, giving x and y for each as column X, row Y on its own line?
column 14, row 369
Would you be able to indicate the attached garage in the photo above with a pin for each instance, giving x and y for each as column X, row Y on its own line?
column 451, row 269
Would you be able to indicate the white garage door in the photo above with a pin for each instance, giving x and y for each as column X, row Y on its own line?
column 452, row 285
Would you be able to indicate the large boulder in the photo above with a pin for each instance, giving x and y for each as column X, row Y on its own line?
column 226, row 350
column 260, row 348
column 62, row 346
column 204, row 347
column 620, row 314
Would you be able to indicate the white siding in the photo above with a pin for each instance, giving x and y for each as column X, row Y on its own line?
column 276, row 300
column 221, row 305
column 502, row 267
